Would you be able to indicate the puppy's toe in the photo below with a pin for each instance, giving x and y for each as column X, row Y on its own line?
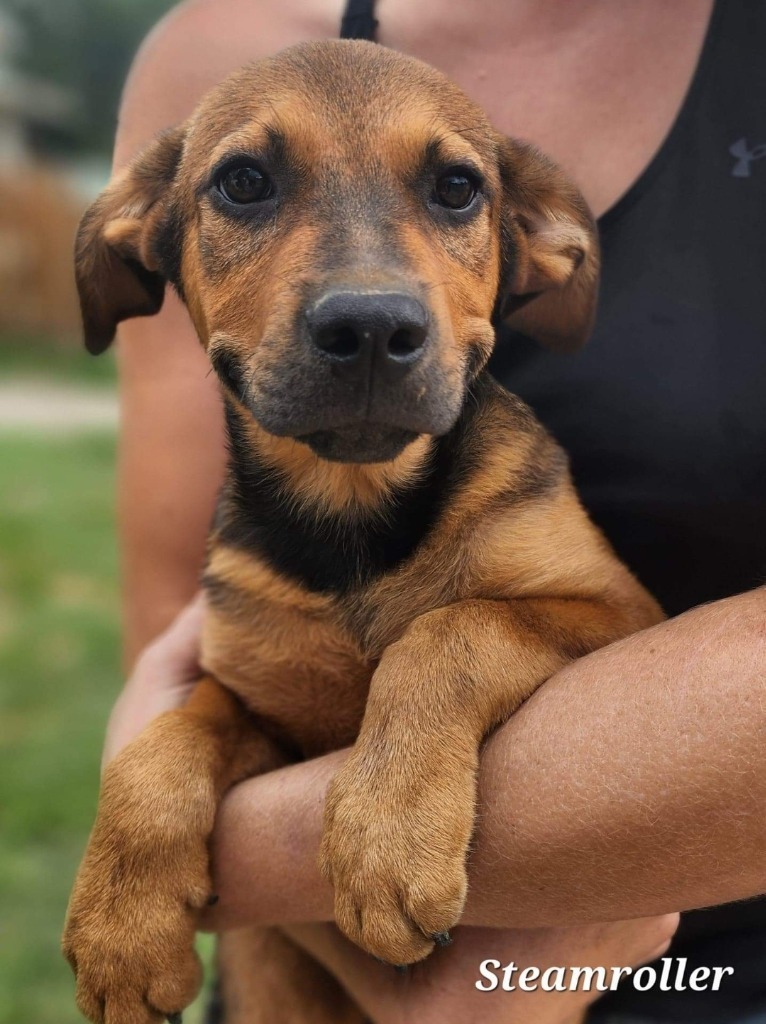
column 435, row 900
column 90, row 1002
column 127, row 1008
column 174, row 987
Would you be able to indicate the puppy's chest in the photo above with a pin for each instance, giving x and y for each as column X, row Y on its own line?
column 303, row 659
column 303, row 605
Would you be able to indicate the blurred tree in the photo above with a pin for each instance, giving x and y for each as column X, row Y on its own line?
column 84, row 46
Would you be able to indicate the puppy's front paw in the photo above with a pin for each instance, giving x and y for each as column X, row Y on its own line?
column 394, row 848
column 129, row 934
column 133, row 965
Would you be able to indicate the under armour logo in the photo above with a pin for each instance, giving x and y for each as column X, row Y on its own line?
column 745, row 157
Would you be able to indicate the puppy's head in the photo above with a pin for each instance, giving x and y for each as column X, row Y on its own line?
column 342, row 222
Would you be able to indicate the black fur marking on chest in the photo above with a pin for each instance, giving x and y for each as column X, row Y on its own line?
column 326, row 552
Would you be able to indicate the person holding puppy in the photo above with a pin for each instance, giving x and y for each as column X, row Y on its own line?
column 612, row 792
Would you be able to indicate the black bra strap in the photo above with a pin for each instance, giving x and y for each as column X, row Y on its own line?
column 359, row 21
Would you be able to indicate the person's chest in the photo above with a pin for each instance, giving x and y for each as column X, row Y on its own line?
column 662, row 413
column 597, row 89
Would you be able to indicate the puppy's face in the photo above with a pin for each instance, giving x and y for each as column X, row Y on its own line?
column 341, row 222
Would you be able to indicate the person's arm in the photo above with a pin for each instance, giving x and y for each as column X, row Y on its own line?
column 632, row 784
column 444, row 988
column 171, row 451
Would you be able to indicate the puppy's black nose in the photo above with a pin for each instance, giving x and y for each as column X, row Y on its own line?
column 356, row 328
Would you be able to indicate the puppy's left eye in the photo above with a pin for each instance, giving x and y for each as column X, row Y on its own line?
column 456, row 190
column 244, row 184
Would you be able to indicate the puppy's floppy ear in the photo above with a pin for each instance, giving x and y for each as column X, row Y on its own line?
column 117, row 267
column 550, row 252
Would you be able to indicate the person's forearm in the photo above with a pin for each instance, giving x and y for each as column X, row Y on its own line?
column 631, row 784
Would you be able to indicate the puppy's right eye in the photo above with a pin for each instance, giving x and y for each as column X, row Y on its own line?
column 455, row 191
column 244, row 184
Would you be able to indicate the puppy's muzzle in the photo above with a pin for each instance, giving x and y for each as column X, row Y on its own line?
column 369, row 335
column 360, row 377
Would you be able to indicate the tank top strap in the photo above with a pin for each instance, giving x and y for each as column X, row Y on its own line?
column 359, row 21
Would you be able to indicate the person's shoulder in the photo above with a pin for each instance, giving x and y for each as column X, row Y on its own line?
column 196, row 45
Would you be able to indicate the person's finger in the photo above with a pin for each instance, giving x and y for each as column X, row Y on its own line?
column 176, row 651
column 161, row 681
column 374, row 986
column 664, row 928
column 446, row 983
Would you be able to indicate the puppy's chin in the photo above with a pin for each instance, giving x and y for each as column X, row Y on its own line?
column 365, row 443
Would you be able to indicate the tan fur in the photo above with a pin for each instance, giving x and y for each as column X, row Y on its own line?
column 197, row 753
column 335, row 487
column 510, row 582
column 554, row 230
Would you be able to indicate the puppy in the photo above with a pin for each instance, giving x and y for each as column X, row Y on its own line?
column 398, row 558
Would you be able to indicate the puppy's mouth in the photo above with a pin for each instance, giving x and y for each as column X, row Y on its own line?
column 342, row 418
column 363, row 443
column 346, row 424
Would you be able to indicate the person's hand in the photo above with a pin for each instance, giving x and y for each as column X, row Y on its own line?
column 162, row 679
column 442, row 989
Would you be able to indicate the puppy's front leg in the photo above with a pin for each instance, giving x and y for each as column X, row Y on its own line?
column 130, row 927
column 399, row 815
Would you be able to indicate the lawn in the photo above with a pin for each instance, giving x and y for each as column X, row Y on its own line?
column 59, row 667
column 59, row 673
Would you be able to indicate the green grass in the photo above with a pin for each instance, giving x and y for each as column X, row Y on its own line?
column 64, row 360
column 59, row 673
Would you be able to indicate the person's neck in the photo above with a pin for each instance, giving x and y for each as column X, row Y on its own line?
column 507, row 20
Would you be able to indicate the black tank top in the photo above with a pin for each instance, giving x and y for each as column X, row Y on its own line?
column 664, row 412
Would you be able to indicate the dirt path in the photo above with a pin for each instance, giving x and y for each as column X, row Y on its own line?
column 29, row 406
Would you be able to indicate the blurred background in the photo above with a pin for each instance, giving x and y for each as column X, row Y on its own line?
column 62, row 65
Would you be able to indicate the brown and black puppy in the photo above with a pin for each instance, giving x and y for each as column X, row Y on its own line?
column 399, row 558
